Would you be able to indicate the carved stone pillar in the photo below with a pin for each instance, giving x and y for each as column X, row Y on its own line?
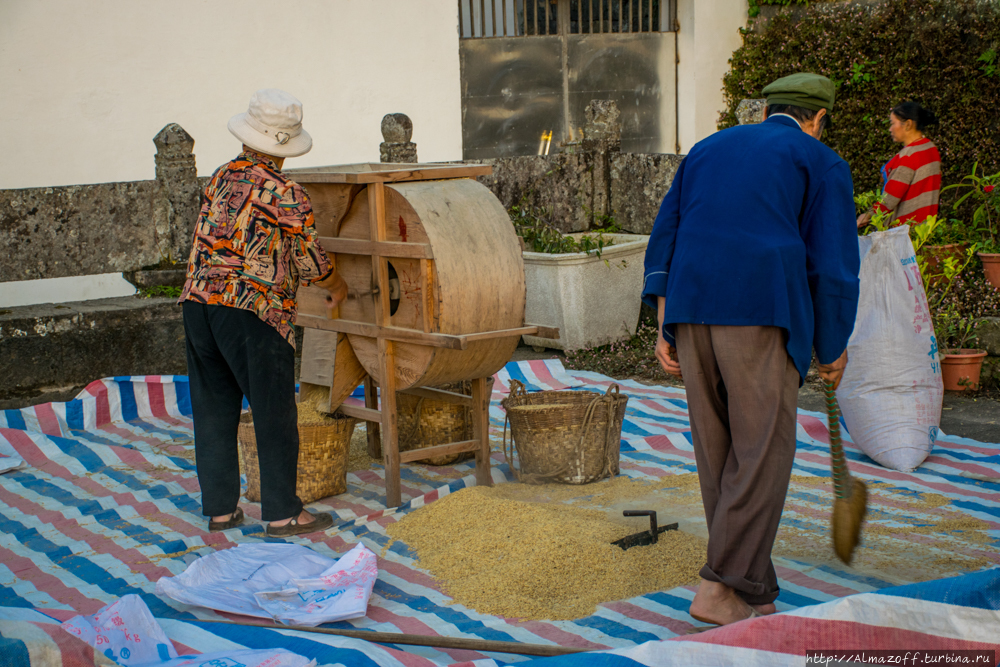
column 177, row 200
column 397, row 130
column 751, row 112
column 602, row 140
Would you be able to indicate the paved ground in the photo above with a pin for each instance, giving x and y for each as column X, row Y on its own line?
column 975, row 418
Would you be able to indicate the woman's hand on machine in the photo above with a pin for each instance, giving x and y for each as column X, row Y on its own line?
column 337, row 288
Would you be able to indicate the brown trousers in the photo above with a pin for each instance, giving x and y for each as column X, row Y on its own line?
column 742, row 390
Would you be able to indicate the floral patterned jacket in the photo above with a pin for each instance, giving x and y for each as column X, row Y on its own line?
column 255, row 241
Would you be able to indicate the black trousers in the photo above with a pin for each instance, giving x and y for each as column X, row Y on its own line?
column 231, row 353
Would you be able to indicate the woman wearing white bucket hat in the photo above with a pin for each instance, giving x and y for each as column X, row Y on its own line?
column 254, row 242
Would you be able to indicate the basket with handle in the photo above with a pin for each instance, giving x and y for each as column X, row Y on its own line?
column 571, row 437
column 425, row 422
column 324, row 449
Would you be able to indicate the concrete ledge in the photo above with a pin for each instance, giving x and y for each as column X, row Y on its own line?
column 49, row 352
column 988, row 335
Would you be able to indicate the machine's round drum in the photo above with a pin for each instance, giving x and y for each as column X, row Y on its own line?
column 477, row 278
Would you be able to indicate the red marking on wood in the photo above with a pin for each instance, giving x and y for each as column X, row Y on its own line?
column 402, row 228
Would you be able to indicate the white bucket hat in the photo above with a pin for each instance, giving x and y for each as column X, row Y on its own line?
column 272, row 124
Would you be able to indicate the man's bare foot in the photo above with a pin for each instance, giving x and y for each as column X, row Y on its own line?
column 223, row 517
column 764, row 609
column 305, row 518
column 719, row 604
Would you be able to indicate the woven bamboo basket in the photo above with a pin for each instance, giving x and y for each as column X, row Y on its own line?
column 571, row 437
column 425, row 422
column 323, row 453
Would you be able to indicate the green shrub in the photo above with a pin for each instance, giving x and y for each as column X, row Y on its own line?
column 755, row 5
column 534, row 225
column 940, row 53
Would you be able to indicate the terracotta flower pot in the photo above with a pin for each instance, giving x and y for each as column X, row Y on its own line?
column 991, row 267
column 960, row 369
column 934, row 256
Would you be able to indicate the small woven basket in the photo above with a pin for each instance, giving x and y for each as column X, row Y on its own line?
column 323, row 453
column 426, row 422
column 571, row 437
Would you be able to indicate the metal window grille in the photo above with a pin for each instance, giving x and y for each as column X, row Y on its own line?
column 520, row 18
column 620, row 16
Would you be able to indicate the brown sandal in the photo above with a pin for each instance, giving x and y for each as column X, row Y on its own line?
column 233, row 521
column 320, row 521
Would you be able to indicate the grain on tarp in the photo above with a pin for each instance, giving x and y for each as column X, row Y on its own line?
column 539, row 560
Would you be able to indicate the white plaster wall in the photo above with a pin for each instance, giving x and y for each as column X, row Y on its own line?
column 62, row 290
column 709, row 33
column 88, row 83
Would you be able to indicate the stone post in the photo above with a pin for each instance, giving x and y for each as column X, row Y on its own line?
column 397, row 130
column 602, row 141
column 751, row 112
column 177, row 200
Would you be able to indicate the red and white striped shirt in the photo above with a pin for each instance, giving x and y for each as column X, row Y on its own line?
column 912, row 183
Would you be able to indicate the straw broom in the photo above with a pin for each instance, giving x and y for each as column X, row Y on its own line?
column 851, row 501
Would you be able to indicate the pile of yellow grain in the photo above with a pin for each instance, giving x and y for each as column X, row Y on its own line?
column 906, row 534
column 540, row 560
column 358, row 458
column 310, row 412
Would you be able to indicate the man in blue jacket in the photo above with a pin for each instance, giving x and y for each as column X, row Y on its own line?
column 753, row 262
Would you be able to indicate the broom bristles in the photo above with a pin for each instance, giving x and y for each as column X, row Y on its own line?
column 848, row 513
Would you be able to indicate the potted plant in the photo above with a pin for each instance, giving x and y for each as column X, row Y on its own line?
column 586, row 284
column 950, row 238
column 985, row 219
column 960, row 365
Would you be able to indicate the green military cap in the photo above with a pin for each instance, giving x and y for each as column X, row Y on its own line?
column 809, row 91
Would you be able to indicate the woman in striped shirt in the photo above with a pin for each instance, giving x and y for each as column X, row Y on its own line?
column 912, row 179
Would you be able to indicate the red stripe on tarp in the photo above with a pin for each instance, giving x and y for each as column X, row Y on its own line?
column 157, row 400
column 887, row 474
column 553, row 633
column 27, row 569
column 408, row 574
column 795, row 635
column 815, row 427
column 73, row 651
column 812, row 583
column 659, row 407
column 104, row 544
column 544, row 375
column 662, row 443
column 32, row 454
column 48, row 420
column 102, row 406
column 631, row 611
column 414, row 626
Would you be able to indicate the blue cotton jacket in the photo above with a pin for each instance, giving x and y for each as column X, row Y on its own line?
column 758, row 228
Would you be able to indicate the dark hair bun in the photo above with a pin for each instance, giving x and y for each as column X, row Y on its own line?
column 926, row 117
column 922, row 116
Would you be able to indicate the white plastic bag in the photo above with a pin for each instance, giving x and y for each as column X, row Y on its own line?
column 286, row 582
column 9, row 458
column 891, row 391
column 126, row 632
column 265, row 657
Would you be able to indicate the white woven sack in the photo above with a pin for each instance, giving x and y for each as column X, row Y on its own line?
column 891, row 391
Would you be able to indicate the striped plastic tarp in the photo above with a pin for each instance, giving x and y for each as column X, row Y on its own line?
column 107, row 503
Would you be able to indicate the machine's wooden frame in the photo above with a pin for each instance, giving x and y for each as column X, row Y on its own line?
column 380, row 250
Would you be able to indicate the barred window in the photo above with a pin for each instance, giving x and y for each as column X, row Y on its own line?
column 525, row 18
